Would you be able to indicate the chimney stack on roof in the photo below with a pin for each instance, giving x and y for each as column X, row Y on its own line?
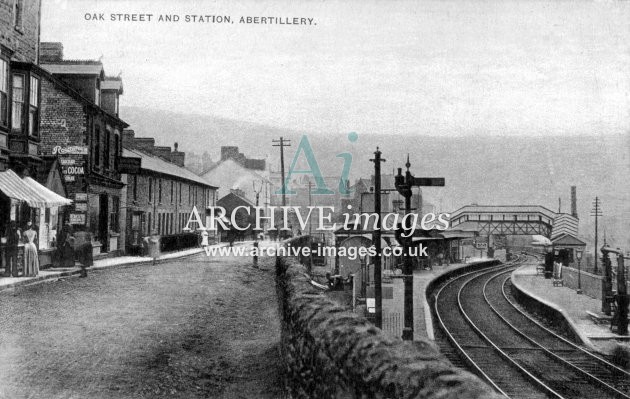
column 50, row 52
column 147, row 144
column 574, row 202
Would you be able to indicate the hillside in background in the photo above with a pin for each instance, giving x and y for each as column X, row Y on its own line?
column 482, row 169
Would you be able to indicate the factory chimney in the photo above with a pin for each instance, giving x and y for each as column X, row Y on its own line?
column 574, row 202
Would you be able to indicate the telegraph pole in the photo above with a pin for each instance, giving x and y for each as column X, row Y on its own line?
column 376, row 239
column 310, row 230
column 597, row 212
column 282, row 143
column 257, row 191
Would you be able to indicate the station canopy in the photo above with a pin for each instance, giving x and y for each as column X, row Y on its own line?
column 540, row 241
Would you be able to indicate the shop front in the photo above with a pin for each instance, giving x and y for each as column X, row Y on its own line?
column 96, row 207
column 23, row 200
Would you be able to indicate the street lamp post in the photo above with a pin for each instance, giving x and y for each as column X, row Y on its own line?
column 578, row 255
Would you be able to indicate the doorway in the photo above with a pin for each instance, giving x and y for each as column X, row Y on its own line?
column 103, row 216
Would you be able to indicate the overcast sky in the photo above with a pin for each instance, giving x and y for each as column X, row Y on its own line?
column 456, row 68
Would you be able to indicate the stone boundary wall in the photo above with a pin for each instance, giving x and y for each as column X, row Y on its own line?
column 331, row 352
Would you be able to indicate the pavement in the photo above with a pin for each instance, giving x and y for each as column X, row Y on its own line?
column 572, row 305
column 55, row 273
column 190, row 327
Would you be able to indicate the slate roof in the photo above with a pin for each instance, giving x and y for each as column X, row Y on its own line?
column 156, row 164
column 503, row 209
column 112, row 84
column 567, row 240
column 74, row 68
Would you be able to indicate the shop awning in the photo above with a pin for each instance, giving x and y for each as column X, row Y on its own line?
column 33, row 193
column 51, row 198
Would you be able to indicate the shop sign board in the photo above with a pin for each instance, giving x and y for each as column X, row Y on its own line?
column 80, row 206
column 70, row 150
column 80, row 197
column 77, row 218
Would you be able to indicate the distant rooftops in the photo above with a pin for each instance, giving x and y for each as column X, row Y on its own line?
column 232, row 152
column 147, row 145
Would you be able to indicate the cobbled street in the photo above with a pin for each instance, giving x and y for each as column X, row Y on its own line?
column 193, row 327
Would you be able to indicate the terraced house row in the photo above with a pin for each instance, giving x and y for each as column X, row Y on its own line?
column 63, row 157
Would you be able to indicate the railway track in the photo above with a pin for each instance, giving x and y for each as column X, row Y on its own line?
column 519, row 357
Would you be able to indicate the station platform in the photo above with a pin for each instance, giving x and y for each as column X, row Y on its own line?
column 574, row 307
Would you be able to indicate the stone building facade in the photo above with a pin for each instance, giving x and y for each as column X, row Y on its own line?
column 86, row 140
column 159, row 196
column 19, row 88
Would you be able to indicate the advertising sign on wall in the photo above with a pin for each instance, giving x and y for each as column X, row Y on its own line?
column 77, row 218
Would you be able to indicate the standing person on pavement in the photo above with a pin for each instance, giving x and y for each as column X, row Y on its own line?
column 65, row 247
column 31, row 258
column 153, row 245
column 11, row 254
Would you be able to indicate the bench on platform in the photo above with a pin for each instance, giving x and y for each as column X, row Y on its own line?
column 599, row 318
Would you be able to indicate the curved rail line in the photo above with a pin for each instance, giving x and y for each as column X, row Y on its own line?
column 594, row 365
column 515, row 354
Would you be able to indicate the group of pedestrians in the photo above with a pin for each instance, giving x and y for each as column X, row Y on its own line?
column 31, row 259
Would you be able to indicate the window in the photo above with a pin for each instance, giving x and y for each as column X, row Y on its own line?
column 106, row 149
column 160, row 191
column 18, row 10
column 97, row 145
column 4, row 92
column 18, row 102
column 149, row 224
column 135, row 187
column 113, row 216
column 150, row 189
column 33, row 101
column 180, row 193
column 97, row 94
column 116, row 151
column 190, row 195
column 172, row 189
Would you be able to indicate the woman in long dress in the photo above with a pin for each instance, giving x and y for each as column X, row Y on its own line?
column 31, row 260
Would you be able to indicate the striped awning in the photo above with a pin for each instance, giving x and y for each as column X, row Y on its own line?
column 51, row 197
column 29, row 191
